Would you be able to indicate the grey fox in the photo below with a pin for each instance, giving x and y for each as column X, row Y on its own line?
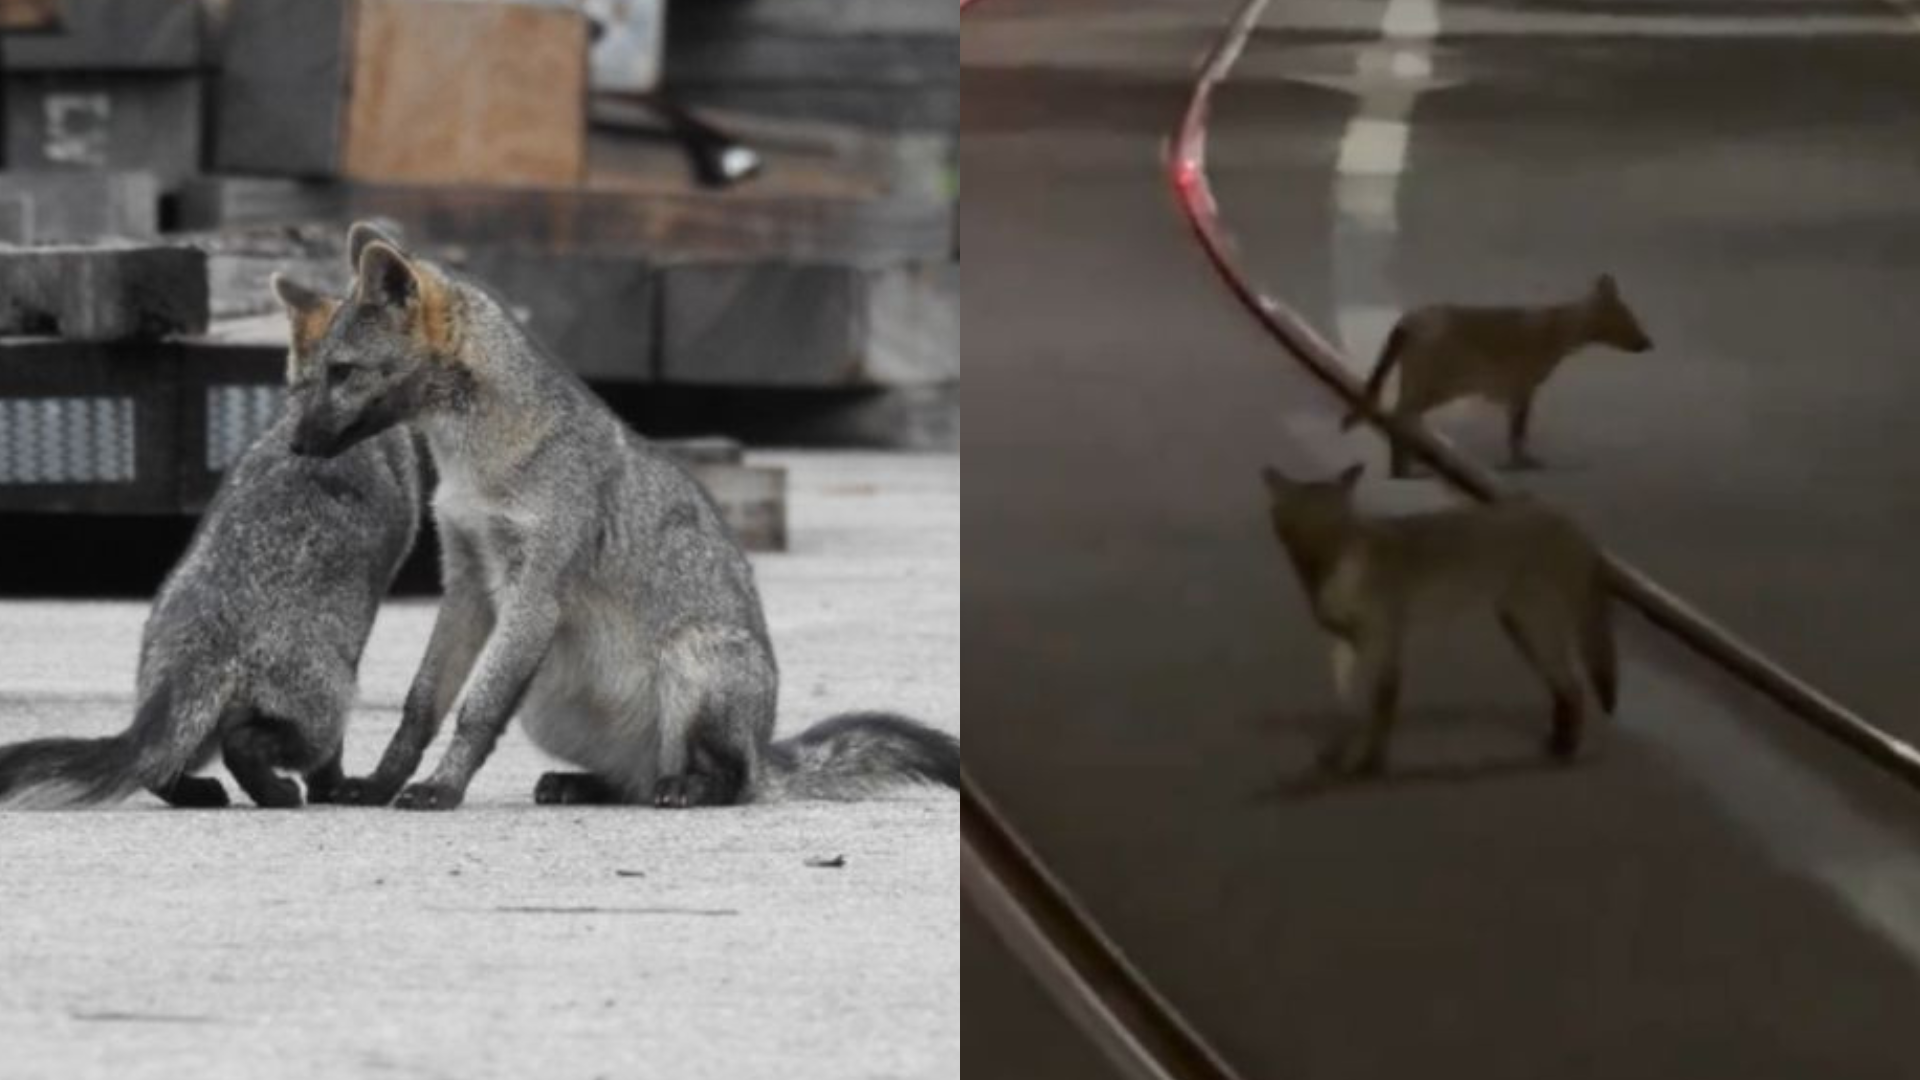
column 590, row 585
column 252, row 644
column 1367, row 579
column 1447, row 352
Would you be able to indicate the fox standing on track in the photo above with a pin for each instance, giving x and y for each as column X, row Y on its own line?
column 255, row 637
column 590, row 584
column 1368, row 579
column 1448, row 352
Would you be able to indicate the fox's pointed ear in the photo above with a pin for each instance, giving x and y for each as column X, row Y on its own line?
column 363, row 233
column 1350, row 477
column 391, row 279
column 308, row 314
column 1276, row 481
column 1606, row 286
column 387, row 277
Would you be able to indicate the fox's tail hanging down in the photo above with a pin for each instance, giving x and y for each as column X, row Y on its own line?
column 1596, row 643
column 1376, row 381
column 856, row 755
column 51, row 773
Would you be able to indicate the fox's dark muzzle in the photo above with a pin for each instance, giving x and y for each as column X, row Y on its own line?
column 315, row 436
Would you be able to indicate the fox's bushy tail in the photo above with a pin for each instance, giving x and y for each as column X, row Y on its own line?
column 1377, row 381
column 1596, row 642
column 45, row 774
column 856, row 755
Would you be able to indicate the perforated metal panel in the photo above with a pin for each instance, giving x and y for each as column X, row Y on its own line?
column 67, row 440
column 236, row 415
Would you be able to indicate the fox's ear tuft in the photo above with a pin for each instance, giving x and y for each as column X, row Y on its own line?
column 1350, row 476
column 1606, row 286
column 363, row 233
column 387, row 277
column 292, row 295
column 308, row 314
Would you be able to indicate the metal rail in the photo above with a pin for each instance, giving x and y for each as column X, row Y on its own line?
column 1084, row 972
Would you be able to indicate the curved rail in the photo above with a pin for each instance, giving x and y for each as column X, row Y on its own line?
column 1187, row 166
column 1106, row 997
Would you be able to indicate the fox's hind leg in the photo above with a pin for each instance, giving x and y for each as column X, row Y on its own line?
column 1519, row 414
column 193, row 793
column 1415, row 400
column 1542, row 642
column 255, row 749
column 717, row 694
column 575, row 789
column 324, row 780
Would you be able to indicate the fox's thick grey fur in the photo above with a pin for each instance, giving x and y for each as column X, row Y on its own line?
column 591, row 586
column 252, row 645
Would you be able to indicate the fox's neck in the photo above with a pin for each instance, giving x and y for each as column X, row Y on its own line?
column 514, row 404
column 1315, row 550
column 1570, row 325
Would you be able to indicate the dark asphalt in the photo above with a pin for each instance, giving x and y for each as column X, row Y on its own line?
column 1150, row 682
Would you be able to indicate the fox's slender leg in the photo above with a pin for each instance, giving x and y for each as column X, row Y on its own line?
column 1333, row 752
column 492, row 693
column 194, row 793
column 717, row 704
column 460, row 631
column 1367, row 669
column 1384, row 693
column 1400, row 465
column 1550, row 657
column 1415, row 400
column 1519, row 413
column 575, row 788
column 254, row 749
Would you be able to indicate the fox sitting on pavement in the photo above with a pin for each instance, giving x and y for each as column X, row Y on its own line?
column 253, row 643
column 1368, row 579
column 590, row 584
column 1503, row 354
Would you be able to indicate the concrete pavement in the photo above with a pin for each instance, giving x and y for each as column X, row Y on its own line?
column 506, row 939
column 1664, row 908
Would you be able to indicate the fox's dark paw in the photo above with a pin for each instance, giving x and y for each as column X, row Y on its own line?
column 197, row 793
column 682, row 791
column 357, row 792
column 572, row 789
column 279, row 793
column 428, row 797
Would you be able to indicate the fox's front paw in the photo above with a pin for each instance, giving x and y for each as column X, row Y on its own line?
column 682, row 791
column 428, row 796
column 356, row 792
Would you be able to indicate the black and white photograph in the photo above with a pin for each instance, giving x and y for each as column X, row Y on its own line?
column 480, row 498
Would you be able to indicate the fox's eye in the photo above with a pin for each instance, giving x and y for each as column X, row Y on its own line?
column 339, row 373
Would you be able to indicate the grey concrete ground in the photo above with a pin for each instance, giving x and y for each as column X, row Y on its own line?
column 506, row 939
column 1700, row 896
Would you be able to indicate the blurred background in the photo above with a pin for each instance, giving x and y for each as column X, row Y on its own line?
column 734, row 218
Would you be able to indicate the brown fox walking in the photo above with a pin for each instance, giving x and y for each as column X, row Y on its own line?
column 1503, row 354
column 1367, row 579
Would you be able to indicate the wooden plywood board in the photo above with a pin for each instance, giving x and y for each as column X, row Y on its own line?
column 448, row 92
column 18, row 16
